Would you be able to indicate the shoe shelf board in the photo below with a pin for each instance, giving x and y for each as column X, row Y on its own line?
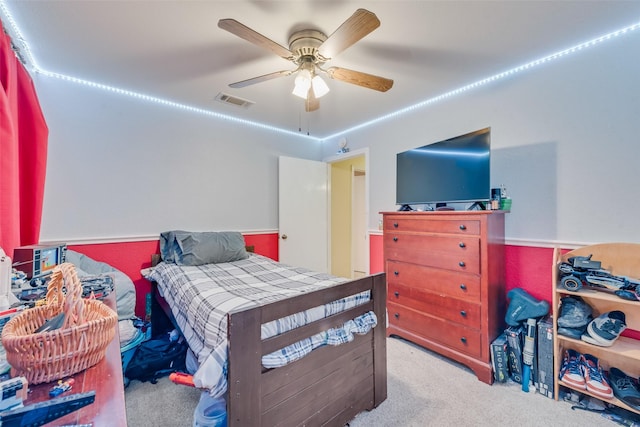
column 621, row 259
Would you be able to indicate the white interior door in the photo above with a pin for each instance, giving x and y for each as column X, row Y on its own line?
column 303, row 213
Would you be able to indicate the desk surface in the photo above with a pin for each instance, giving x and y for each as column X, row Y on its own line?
column 105, row 378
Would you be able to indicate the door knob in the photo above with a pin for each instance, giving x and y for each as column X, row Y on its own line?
column 284, row 237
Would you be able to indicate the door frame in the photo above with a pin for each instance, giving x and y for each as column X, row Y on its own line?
column 338, row 158
column 365, row 255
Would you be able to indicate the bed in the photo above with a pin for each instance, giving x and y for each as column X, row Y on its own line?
column 328, row 386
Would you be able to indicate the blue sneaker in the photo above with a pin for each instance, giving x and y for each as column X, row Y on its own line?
column 572, row 371
column 594, row 376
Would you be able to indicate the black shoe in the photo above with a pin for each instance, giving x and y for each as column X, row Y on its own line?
column 624, row 388
column 574, row 312
column 575, row 333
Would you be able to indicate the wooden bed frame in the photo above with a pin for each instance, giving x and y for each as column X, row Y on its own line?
column 328, row 387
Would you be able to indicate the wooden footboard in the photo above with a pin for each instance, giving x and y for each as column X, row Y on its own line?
column 327, row 387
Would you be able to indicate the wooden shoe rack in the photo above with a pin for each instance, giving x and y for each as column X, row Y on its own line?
column 620, row 259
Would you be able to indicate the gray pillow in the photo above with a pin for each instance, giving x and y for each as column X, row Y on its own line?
column 125, row 289
column 197, row 248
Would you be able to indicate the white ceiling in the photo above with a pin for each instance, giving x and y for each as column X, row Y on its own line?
column 174, row 50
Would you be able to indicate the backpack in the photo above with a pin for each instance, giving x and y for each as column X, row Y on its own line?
column 157, row 358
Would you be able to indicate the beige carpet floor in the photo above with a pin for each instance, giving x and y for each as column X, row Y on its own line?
column 424, row 389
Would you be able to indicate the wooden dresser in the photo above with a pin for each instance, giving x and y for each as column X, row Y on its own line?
column 446, row 282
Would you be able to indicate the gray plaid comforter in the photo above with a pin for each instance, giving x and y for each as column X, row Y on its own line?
column 201, row 296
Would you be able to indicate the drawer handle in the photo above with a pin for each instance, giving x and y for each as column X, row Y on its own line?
column 463, row 286
column 463, row 227
column 463, row 313
column 395, row 225
column 464, row 340
column 396, row 273
column 397, row 294
column 397, row 315
column 461, row 264
column 395, row 239
column 462, row 245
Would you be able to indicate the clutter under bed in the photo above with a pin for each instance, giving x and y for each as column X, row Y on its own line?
column 253, row 323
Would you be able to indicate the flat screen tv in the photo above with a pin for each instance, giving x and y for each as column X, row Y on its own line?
column 453, row 170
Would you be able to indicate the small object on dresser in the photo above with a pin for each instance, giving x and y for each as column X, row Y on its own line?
column 61, row 387
column 505, row 204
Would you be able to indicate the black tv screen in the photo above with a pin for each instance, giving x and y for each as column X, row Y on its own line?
column 453, row 170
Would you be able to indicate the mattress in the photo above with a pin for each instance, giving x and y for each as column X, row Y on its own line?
column 201, row 296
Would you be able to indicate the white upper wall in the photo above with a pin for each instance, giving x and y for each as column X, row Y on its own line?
column 565, row 143
column 121, row 167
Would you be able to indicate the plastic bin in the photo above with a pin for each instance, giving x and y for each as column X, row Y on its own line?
column 210, row 412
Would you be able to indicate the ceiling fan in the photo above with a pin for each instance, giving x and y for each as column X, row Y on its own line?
column 309, row 50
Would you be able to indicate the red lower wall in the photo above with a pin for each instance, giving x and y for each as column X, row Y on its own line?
column 526, row 267
column 131, row 257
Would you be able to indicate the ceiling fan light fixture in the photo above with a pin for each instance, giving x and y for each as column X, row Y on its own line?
column 302, row 84
column 320, row 87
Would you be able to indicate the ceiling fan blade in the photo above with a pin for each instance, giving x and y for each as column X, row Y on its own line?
column 359, row 78
column 311, row 103
column 261, row 79
column 244, row 32
column 358, row 25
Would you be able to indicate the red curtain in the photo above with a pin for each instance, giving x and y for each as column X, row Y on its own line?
column 23, row 153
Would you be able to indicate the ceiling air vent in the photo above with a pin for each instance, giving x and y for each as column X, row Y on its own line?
column 233, row 100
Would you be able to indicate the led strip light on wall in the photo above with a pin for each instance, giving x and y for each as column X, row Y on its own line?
column 493, row 78
column 25, row 54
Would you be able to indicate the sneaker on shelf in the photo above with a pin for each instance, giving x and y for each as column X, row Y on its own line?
column 572, row 371
column 605, row 329
column 625, row 388
column 595, row 378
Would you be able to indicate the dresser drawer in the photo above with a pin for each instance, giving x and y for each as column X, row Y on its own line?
column 459, row 311
column 458, row 337
column 455, row 284
column 453, row 253
column 433, row 225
